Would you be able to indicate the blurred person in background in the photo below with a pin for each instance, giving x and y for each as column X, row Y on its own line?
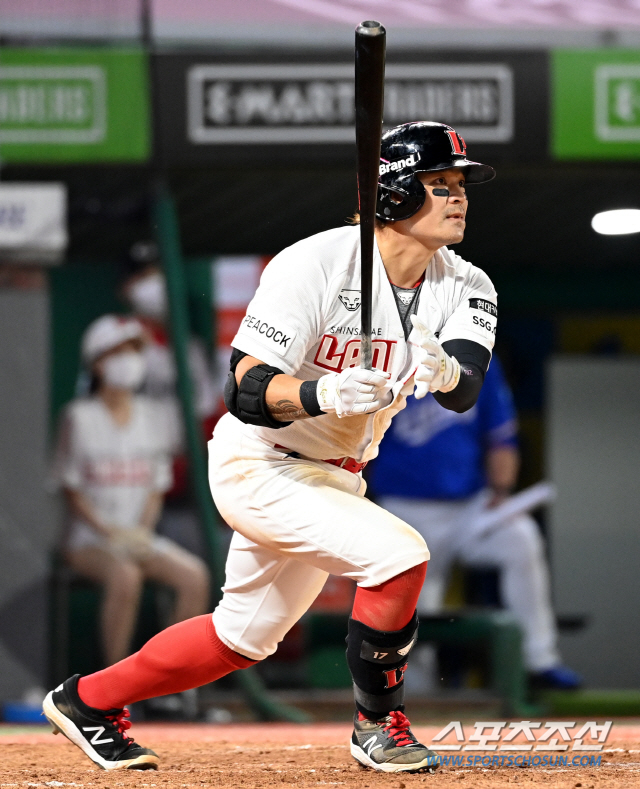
column 113, row 464
column 145, row 292
column 439, row 470
column 144, row 289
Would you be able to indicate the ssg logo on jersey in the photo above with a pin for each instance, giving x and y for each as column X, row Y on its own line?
column 328, row 357
column 484, row 306
column 350, row 299
column 399, row 164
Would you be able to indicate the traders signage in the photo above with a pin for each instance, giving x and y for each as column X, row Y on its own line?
column 208, row 106
column 596, row 104
column 48, row 104
column 315, row 103
column 73, row 105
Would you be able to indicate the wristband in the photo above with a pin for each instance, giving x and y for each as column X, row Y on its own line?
column 309, row 398
column 455, row 376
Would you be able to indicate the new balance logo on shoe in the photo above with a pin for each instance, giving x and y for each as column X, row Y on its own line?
column 95, row 740
column 370, row 745
column 100, row 734
column 388, row 745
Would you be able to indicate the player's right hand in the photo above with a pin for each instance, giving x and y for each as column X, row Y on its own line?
column 437, row 371
column 354, row 391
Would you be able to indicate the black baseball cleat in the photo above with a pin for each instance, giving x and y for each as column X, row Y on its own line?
column 99, row 733
column 389, row 746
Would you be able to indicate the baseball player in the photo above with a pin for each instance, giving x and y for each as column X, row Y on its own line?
column 285, row 462
column 440, row 471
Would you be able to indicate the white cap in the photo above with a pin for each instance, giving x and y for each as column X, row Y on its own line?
column 108, row 332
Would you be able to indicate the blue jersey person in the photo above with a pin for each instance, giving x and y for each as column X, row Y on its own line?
column 439, row 470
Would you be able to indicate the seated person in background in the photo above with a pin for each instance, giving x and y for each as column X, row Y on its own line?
column 113, row 465
column 145, row 292
column 144, row 289
column 438, row 470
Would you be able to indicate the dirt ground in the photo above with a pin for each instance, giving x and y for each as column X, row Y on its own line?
column 256, row 756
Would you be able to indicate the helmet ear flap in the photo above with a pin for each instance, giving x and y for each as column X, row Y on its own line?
column 400, row 201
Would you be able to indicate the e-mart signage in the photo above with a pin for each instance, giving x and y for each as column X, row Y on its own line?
column 208, row 106
column 315, row 103
column 73, row 105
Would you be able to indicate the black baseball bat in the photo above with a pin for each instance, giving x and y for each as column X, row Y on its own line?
column 369, row 100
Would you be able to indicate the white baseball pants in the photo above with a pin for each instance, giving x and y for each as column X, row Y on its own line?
column 516, row 549
column 296, row 521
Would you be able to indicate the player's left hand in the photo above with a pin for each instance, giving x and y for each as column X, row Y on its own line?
column 354, row 391
column 437, row 371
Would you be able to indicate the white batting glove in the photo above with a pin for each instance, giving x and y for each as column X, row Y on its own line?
column 353, row 391
column 437, row 371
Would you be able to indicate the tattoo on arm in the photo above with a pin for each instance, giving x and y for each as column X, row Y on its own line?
column 287, row 411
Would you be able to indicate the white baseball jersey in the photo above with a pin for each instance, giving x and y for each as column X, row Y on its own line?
column 115, row 467
column 305, row 320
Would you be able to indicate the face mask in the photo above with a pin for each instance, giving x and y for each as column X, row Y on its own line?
column 149, row 296
column 124, row 370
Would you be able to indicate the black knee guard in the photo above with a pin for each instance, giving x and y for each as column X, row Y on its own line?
column 377, row 661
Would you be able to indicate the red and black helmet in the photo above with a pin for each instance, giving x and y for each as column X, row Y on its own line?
column 420, row 147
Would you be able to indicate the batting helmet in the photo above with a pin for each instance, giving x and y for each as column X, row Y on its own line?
column 420, row 147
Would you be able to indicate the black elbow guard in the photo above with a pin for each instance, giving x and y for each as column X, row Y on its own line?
column 247, row 402
column 466, row 393
column 474, row 362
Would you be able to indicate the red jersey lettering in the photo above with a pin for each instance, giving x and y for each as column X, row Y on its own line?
column 118, row 471
column 329, row 358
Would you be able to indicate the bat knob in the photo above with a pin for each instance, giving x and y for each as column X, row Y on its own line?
column 370, row 28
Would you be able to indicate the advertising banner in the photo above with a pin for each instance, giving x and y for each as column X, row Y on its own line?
column 596, row 104
column 73, row 105
column 210, row 108
column 33, row 222
column 315, row 103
